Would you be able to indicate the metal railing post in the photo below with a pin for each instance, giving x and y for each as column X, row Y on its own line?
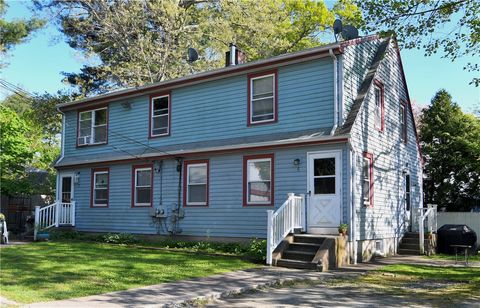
column 37, row 222
column 269, row 236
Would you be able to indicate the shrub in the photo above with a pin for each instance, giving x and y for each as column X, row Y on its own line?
column 64, row 235
column 257, row 249
column 119, row 238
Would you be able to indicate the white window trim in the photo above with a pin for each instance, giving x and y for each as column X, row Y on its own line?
column 252, row 99
column 366, row 178
column 248, row 180
column 92, row 126
column 136, row 186
column 154, row 116
column 188, row 184
column 95, row 173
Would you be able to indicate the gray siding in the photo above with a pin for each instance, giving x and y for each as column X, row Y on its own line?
column 391, row 156
column 225, row 215
column 218, row 110
column 356, row 61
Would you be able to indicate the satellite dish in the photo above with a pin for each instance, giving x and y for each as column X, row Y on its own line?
column 337, row 26
column 349, row 32
column 192, row 55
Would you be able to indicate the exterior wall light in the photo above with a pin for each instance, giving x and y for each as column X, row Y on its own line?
column 296, row 163
column 76, row 178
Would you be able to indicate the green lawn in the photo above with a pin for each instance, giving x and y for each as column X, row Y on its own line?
column 437, row 285
column 52, row 271
column 461, row 257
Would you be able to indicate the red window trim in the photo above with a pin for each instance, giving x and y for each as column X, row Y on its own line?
column 275, row 101
column 134, row 168
column 272, row 179
column 369, row 156
column 92, row 187
column 405, row 119
column 380, row 85
column 150, row 105
column 78, row 124
column 185, row 179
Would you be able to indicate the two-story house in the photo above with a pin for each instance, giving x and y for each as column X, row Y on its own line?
column 208, row 154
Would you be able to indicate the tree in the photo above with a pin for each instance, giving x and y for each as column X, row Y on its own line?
column 451, row 146
column 140, row 42
column 16, row 152
column 36, row 123
column 15, row 32
column 452, row 26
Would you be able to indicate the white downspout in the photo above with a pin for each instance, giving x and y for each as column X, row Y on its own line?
column 335, row 91
column 353, row 210
column 62, row 152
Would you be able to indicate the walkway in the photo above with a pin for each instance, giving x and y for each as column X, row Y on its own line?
column 221, row 286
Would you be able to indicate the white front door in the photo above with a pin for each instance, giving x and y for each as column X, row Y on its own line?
column 324, row 187
column 66, row 188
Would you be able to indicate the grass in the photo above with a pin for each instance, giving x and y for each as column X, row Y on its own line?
column 53, row 271
column 435, row 285
column 461, row 257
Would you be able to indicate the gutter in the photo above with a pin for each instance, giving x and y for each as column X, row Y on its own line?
column 62, row 153
column 353, row 207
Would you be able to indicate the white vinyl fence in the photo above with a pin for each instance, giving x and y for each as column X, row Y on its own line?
column 460, row 218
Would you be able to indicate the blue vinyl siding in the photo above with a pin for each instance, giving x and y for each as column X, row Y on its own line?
column 225, row 215
column 217, row 110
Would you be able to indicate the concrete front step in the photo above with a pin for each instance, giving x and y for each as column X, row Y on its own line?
column 308, row 238
column 409, row 246
column 298, row 255
column 298, row 264
column 402, row 251
column 307, row 247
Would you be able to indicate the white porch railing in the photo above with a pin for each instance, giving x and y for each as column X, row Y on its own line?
column 290, row 216
column 427, row 219
column 54, row 215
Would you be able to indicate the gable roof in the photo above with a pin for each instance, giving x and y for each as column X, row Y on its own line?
column 367, row 83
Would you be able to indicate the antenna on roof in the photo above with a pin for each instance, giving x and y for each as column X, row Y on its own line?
column 337, row 28
column 192, row 55
column 347, row 32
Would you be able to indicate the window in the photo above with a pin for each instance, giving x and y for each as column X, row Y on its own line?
column 324, row 176
column 262, row 98
column 160, row 115
column 379, row 106
column 368, row 179
column 258, row 186
column 92, row 127
column 99, row 193
column 403, row 122
column 195, row 191
column 407, row 192
column 142, row 185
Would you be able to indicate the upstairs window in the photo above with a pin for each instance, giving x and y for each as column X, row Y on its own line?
column 403, row 122
column 196, row 183
column 258, row 181
column 142, row 186
column 262, row 98
column 160, row 115
column 99, row 194
column 368, row 179
column 92, row 127
column 379, row 106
